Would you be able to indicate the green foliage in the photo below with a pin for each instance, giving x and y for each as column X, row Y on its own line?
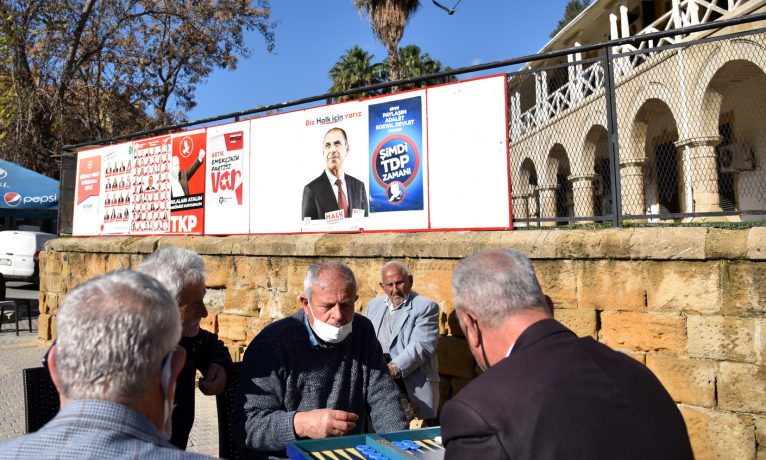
column 77, row 71
column 355, row 69
column 388, row 18
column 571, row 10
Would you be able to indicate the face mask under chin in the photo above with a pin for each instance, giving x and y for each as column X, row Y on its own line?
column 329, row 333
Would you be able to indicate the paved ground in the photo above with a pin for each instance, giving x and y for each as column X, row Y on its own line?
column 22, row 351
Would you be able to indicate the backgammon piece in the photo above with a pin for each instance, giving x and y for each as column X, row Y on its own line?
column 355, row 452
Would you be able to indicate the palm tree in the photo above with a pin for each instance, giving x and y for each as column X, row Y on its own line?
column 355, row 70
column 413, row 63
column 388, row 19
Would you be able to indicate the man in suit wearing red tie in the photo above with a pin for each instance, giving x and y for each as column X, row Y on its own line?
column 334, row 190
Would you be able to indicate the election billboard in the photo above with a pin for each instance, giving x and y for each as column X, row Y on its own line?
column 467, row 131
column 87, row 216
column 227, row 179
column 150, row 185
column 186, row 182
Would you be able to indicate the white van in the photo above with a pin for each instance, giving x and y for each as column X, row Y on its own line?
column 19, row 254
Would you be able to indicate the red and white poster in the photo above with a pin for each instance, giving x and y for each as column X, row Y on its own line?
column 187, row 182
column 227, row 191
column 87, row 216
column 150, row 185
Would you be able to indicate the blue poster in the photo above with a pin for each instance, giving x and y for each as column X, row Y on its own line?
column 396, row 137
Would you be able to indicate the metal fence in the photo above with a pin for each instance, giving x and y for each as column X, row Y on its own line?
column 655, row 128
column 642, row 133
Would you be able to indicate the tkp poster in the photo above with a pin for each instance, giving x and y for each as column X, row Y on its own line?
column 227, row 191
column 396, row 165
column 187, row 182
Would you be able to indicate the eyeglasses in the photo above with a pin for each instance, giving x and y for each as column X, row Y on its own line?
column 44, row 359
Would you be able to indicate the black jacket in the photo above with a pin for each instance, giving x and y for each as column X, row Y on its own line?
column 558, row 396
column 201, row 350
column 319, row 197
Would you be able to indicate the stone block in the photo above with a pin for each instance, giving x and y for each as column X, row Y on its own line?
column 756, row 243
column 717, row 435
column 689, row 381
column 44, row 327
column 218, row 271
column 116, row 262
column 611, row 285
column 455, row 359
column 644, row 332
column 760, row 430
column 742, row 387
column 721, row 338
column 50, row 263
column 744, row 290
column 726, row 244
column 232, row 327
column 668, row 243
column 215, row 300
column 582, row 322
column 433, row 279
column 684, row 286
column 640, row 357
column 558, row 280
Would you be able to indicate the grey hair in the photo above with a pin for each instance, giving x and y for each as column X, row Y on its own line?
column 113, row 333
column 314, row 271
column 494, row 285
column 176, row 268
column 398, row 264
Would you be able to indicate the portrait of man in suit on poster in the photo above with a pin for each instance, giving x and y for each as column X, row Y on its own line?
column 334, row 190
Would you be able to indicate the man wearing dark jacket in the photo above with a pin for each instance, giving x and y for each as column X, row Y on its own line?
column 547, row 394
column 183, row 273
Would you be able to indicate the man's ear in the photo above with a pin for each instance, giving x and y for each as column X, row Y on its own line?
column 549, row 303
column 177, row 361
column 53, row 367
column 470, row 329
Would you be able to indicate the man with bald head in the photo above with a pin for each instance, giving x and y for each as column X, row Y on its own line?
column 545, row 393
column 334, row 190
column 315, row 374
column 407, row 326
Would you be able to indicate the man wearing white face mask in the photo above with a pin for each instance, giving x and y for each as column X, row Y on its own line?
column 115, row 365
column 315, row 374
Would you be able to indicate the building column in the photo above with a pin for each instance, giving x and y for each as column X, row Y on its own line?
column 700, row 162
column 632, row 186
column 582, row 191
column 520, row 208
column 547, row 194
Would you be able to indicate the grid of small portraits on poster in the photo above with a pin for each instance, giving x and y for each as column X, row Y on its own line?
column 151, row 190
column 117, row 191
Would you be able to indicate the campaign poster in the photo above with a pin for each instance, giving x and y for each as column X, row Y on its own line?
column 115, row 193
column 469, row 185
column 396, row 146
column 150, row 184
column 186, row 180
column 87, row 217
column 297, row 159
column 227, row 192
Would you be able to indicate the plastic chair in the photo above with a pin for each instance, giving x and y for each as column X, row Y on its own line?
column 227, row 448
column 15, row 304
column 41, row 400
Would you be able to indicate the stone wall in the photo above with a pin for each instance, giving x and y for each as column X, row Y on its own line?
column 690, row 303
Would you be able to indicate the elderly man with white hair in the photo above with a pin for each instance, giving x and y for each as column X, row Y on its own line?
column 182, row 272
column 115, row 363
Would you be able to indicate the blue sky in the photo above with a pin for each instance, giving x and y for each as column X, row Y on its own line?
column 311, row 36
